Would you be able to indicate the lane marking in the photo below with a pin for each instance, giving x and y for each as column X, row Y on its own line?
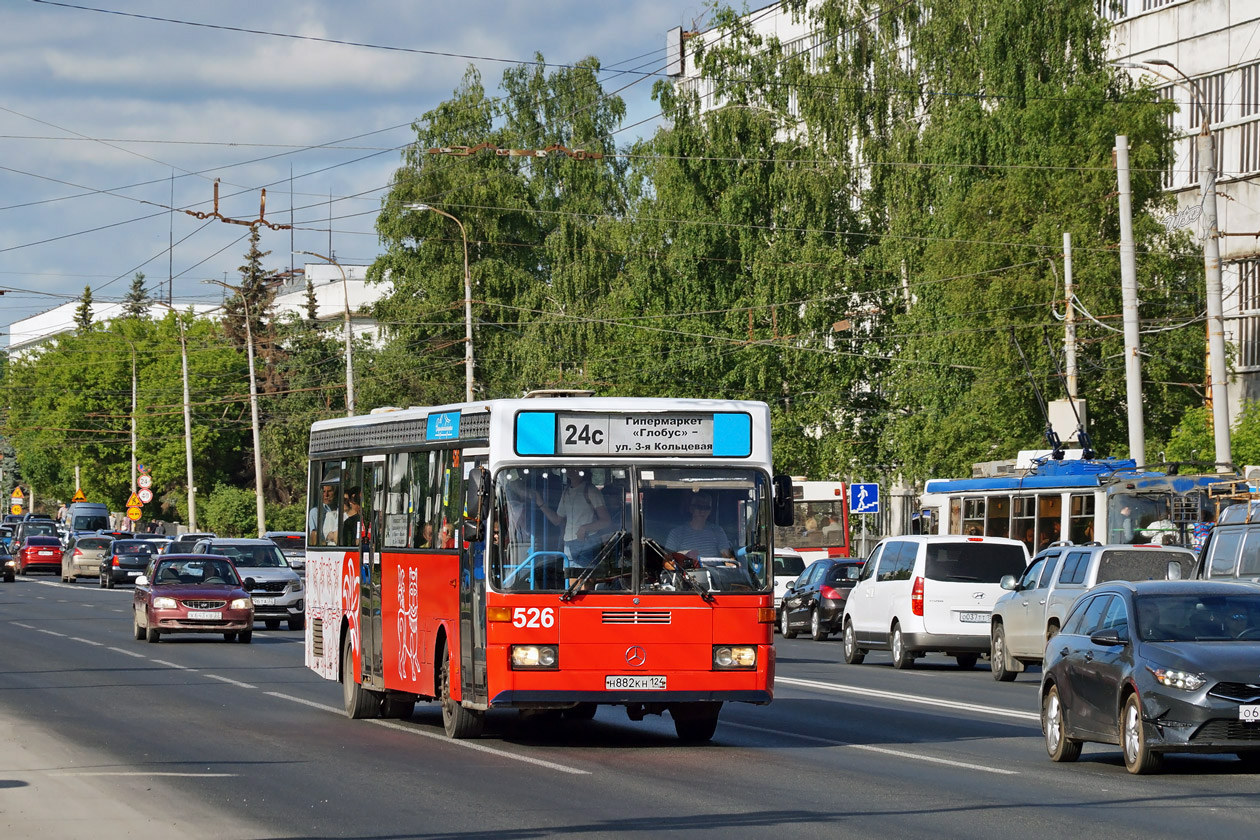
column 910, row 698
column 173, row 665
column 20, row 624
column 129, row 653
column 50, row 632
column 869, row 748
column 143, row 773
column 472, row 745
column 232, row 682
column 86, row 641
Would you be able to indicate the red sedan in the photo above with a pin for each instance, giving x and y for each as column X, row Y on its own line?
column 192, row 593
column 40, row 554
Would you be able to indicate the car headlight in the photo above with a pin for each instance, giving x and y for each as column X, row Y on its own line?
column 164, row 604
column 1177, row 679
column 734, row 657
column 240, row 604
column 295, row 586
column 535, row 657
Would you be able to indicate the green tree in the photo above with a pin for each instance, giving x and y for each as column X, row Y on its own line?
column 137, row 302
column 83, row 313
column 229, row 511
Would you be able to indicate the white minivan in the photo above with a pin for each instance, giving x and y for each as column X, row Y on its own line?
column 927, row 594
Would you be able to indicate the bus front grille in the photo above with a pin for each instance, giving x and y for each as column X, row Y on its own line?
column 636, row 616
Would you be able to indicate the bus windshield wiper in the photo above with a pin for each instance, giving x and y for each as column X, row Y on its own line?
column 678, row 570
column 600, row 557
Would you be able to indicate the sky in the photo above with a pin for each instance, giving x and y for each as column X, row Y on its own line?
column 111, row 106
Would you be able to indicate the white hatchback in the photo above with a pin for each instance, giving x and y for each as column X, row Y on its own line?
column 932, row 593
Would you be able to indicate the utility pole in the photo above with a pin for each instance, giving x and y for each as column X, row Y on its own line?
column 1069, row 318
column 188, row 455
column 133, row 418
column 1129, row 294
column 1219, row 383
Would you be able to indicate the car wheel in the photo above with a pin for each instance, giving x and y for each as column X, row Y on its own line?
column 109, row 581
column 1139, row 758
column 229, row 637
column 101, row 582
column 783, row 625
column 1250, row 761
column 136, row 628
column 357, row 700
column 245, row 636
column 966, row 661
column 1058, row 744
column 853, row 655
column 73, row 580
column 997, row 656
column 298, row 623
column 456, row 720
column 1052, row 630
column 8, row 576
column 695, row 723
column 272, row 624
column 153, row 635
column 582, row 711
column 901, row 657
column 816, row 631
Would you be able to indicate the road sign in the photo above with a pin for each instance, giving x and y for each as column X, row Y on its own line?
column 16, row 510
column 145, row 494
column 134, row 501
column 864, row 498
column 17, row 493
column 78, row 496
column 134, row 513
column 145, row 481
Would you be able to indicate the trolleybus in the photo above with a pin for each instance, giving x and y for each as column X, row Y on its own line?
column 1100, row 500
column 545, row 553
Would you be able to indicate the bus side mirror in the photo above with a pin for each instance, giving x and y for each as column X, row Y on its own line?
column 476, row 504
column 783, row 516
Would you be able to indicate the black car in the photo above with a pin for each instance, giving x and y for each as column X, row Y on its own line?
column 126, row 561
column 816, row 599
column 1156, row 667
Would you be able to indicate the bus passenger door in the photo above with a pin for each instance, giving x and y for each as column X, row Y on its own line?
column 371, row 531
column 472, row 605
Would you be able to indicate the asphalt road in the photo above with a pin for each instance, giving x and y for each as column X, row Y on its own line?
column 195, row 737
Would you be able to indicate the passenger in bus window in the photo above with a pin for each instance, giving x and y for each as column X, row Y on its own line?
column 698, row 538
column 351, row 508
column 321, row 520
column 1028, row 539
column 832, row 528
column 426, row 536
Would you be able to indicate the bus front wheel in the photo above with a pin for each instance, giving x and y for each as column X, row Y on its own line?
column 359, row 702
column 458, row 722
column 695, row 723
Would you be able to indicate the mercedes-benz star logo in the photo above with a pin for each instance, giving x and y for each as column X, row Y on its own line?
column 635, row 656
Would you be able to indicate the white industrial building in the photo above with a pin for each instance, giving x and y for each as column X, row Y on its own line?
column 1214, row 42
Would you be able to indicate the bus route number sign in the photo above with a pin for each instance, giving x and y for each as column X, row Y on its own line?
column 635, row 434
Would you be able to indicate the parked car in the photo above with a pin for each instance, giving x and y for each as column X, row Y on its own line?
column 83, row 556
column 8, row 566
column 1156, row 667
column 292, row 545
column 277, row 590
column 788, row 566
column 126, row 561
column 39, row 554
column 190, row 593
column 816, row 600
column 183, row 543
column 1035, row 604
column 929, row 593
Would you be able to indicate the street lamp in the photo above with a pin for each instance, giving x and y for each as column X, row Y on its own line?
column 345, row 288
column 253, row 408
column 468, row 348
column 1211, row 261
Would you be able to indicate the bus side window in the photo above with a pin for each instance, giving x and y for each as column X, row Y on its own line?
column 420, row 522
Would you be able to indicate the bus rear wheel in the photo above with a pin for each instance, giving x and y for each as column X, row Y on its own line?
column 359, row 702
column 695, row 723
column 458, row 722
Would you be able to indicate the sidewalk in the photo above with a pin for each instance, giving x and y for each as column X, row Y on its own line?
column 50, row 790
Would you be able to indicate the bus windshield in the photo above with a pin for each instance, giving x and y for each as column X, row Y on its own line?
column 697, row 530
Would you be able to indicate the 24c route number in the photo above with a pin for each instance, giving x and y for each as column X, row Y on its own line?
column 533, row 617
column 585, row 435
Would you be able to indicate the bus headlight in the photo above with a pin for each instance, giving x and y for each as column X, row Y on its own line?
column 734, row 657
column 535, row 657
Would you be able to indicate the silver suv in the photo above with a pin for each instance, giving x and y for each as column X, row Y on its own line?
column 1032, row 610
column 277, row 591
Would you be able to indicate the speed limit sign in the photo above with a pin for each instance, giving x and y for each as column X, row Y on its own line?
column 145, row 481
column 145, row 494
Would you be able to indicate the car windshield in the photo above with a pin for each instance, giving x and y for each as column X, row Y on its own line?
column 555, row 526
column 789, row 565
column 191, row 572
column 43, row 541
column 1198, row 618
column 253, row 556
column 89, row 523
column 40, row 529
column 844, row 573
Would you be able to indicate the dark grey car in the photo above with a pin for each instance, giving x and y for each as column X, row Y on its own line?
column 1156, row 667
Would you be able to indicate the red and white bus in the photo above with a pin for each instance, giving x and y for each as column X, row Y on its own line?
column 545, row 553
column 820, row 526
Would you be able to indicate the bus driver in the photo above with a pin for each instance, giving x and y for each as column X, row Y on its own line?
column 697, row 538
